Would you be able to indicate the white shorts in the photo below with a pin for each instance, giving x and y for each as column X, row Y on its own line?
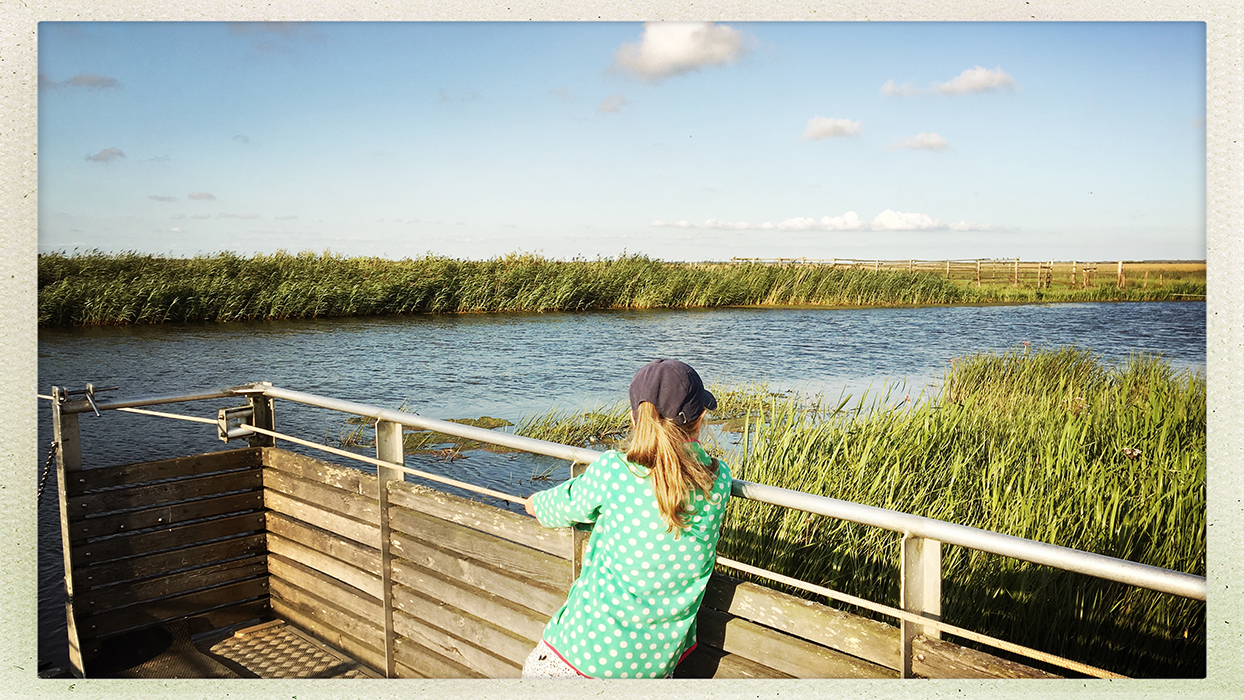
column 544, row 662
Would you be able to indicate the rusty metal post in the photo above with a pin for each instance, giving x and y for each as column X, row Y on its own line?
column 68, row 461
column 261, row 417
column 921, row 591
column 388, row 449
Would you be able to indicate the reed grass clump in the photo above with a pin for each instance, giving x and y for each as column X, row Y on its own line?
column 1049, row 445
column 98, row 288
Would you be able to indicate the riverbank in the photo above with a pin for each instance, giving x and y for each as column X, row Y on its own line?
column 128, row 288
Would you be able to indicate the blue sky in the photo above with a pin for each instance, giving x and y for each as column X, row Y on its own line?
column 1081, row 141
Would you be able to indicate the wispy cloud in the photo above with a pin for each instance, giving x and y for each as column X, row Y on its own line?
column 242, row 138
column 106, row 155
column 225, row 215
column 201, row 195
column 903, row 90
column 888, row 220
column 162, row 198
column 672, row 48
column 177, row 216
column 975, row 79
column 81, row 80
column 200, row 216
column 922, row 142
column 276, row 36
column 612, row 104
column 288, row 217
column 824, row 128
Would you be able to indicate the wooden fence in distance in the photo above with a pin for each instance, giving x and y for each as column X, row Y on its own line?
column 991, row 271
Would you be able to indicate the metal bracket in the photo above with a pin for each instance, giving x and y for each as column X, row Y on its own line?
column 88, row 392
column 240, row 414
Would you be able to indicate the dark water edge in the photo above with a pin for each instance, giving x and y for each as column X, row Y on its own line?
column 512, row 365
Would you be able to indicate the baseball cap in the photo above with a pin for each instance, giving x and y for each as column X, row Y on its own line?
column 673, row 388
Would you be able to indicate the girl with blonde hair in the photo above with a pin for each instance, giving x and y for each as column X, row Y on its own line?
column 657, row 509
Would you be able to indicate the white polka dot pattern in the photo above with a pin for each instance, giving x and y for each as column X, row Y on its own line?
column 631, row 613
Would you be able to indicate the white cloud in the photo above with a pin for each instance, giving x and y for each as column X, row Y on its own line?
column 672, row 48
column 201, row 195
column 923, row 142
column 612, row 104
column 975, row 79
column 175, row 229
column 224, row 215
column 162, row 198
column 177, row 216
column 824, row 127
column 289, row 217
column 904, row 90
column 106, row 155
column 888, row 220
column 200, row 216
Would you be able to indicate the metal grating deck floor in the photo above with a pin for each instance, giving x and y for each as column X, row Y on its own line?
column 277, row 650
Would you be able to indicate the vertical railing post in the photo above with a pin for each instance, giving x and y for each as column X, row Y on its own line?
column 581, row 532
column 68, row 461
column 261, row 417
column 388, row 449
column 921, row 591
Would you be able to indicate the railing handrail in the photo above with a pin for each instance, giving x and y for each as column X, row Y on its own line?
column 1098, row 565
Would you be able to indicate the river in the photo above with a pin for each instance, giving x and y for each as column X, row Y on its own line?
column 513, row 365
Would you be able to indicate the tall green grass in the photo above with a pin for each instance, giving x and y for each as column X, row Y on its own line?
column 1036, row 444
column 97, row 288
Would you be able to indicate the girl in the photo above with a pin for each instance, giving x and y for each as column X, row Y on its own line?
column 657, row 511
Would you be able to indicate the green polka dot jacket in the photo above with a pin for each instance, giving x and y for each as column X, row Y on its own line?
column 631, row 613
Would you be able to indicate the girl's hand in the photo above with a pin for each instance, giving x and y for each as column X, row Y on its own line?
column 528, row 506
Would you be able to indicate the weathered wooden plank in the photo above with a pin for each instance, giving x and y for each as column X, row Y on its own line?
column 347, row 597
column 98, row 600
column 709, row 662
column 792, row 655
column 154, row 540
column 345, row 478
column 330, row 615
column 524, row 561
column 502, row 523
column 518, row 619
column 164, row 515
column 361, row 532
column 154, row 612
column 936, row 658
column 167, row 562
column 327, row 497
column 427, row 663
column 359, row 556
column 851, row 634
column 211, row 619
column 485, row 634
column 305, row 617
column 329, row 566
column 162, row 493
column 517, row 589
column 454, row 648
column 178, row 467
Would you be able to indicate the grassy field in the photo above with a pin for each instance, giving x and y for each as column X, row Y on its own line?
column 100, row 289
column 1051, row 445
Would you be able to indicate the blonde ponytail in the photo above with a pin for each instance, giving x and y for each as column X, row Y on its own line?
column 660, row 444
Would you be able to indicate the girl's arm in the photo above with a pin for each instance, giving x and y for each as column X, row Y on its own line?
column 578, row 500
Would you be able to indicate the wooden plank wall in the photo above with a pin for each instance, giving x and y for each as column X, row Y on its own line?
column 162, row 540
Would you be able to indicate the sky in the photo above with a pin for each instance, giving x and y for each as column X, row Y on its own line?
column 701, row 141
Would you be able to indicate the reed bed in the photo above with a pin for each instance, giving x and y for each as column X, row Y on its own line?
column 96, row 288
column 1050, row 445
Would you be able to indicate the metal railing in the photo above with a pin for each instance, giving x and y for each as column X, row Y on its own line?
column 920, row 590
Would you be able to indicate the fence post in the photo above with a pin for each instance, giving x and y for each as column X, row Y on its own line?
column 1073, row 273
column 1016, row 272
column 68, row 460
column 921, row 591
column 261, row 417
column 581, row 531
column 947, row 269
column 1121, row 282
column 978, row 273
column 388, row 449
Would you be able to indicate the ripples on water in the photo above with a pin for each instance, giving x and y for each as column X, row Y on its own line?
column 513, row 365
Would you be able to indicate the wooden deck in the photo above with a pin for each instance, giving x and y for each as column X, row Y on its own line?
column 241, row 537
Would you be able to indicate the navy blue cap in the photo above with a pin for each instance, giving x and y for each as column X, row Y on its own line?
column 673, row 388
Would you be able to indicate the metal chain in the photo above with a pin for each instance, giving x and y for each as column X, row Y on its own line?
column 47, row 469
